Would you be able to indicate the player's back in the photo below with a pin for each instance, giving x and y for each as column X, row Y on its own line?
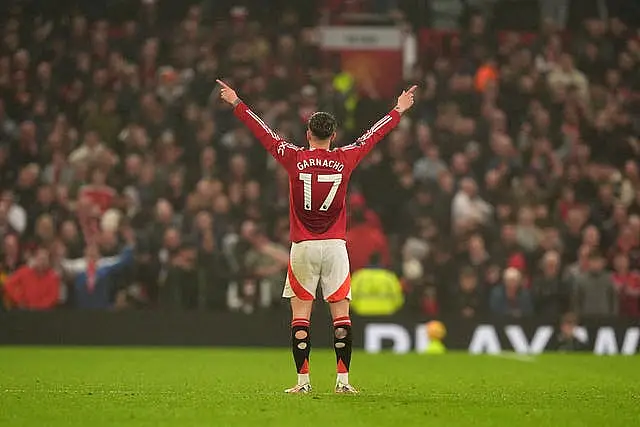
column 318, row 182
column 318, row 178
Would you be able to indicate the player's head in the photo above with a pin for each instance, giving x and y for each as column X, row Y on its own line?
column 322, row 127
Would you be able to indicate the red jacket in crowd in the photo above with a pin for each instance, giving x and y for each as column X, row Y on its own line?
column 357, row 201
column 366, row 238
column 100, row 195
column 628, row 286
column 31, row 289
column 364, row 241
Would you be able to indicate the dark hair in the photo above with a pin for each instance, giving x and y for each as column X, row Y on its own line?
column 322, row 125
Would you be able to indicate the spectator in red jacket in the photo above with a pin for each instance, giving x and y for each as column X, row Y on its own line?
column 358, row 203
column 364, row 240
column 627, row 284
column 35, row 286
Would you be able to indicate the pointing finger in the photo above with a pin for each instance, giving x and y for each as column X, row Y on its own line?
column 223, row 84
column 412, row 89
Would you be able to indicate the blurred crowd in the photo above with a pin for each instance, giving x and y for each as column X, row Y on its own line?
column 512, row 188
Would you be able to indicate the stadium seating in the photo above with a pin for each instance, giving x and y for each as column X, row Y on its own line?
column 512, row 189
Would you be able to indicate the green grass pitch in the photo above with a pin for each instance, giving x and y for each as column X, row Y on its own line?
column 50, row 387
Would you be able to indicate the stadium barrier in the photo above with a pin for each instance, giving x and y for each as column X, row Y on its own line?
column 400, row 333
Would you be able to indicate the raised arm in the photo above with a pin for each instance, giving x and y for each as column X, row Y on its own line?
column 378, row 131
column 281, row 150
column 73, row 267
column 118, row 262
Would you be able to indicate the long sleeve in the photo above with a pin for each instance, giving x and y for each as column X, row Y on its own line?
column 13, row 287
column 281, row 150
column 355, row 152
column 73, row 267
column 113, row 264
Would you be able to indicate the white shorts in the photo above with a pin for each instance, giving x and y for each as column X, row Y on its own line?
column 318, row 261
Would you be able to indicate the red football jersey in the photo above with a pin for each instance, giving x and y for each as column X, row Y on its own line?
column 318, row 179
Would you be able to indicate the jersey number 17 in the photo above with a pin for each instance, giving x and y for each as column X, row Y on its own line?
column 307, row 180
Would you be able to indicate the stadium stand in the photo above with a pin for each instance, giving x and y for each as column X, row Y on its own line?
column 512, row 188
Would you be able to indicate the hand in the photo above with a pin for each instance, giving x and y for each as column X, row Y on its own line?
column 405, row 100
column 227, row 94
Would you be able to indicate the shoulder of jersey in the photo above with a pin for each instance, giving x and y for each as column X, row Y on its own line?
column 284, row 145
column 349, row 147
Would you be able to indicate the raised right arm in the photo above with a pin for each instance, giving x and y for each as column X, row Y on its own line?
column 281, row 150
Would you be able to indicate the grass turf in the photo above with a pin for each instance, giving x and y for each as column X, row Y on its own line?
column 203, row 387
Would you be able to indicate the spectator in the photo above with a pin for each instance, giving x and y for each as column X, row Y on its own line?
column 627, row 285
column 572, row 236
column 179, row 289
column 568, row 340
column 429, row 302
column 364, row 239
column 510, row 298
column 91, row 151
column 248, row 295
column 97, row 192
column 542, row 158
column 375, row 290
column 105, row 121
column 468, row 207
column 470, row 298
column 35, row 286
column 16, row 216
column 507, row 251
column 430, row 166
column 45, row 232
column 565, row 74
column 94, row 281
column 578, row 268
column 476, row 256
column 267, row 262
column 594, row 291
column 11, row 256
column 549, row 241
column 71, row 239
column 358, row 204
column 591, row 238
column 528, row 235
column 421, row 211
column 630, row 182
column 548, row 290
column 12, row 253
